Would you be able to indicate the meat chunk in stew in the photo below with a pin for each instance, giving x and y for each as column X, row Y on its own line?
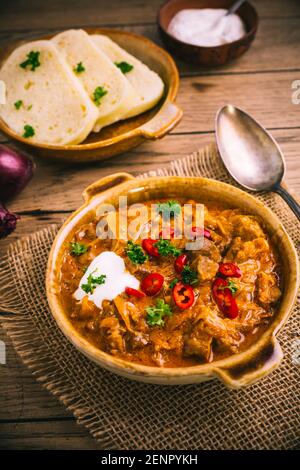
column 268, row 290
column 207, row 268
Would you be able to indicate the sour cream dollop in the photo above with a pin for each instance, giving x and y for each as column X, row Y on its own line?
column 117, row 278
column 208, row 27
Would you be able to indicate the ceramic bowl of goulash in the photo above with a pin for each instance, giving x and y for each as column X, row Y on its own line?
column 155, row 303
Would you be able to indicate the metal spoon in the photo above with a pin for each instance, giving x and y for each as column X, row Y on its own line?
column 234, row 7
column 250, row 153
column 230, row 11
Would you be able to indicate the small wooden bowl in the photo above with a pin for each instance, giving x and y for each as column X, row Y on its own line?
column 123, row 135
column 207, row 56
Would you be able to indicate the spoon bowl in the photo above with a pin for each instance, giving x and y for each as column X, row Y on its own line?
column 250, row 153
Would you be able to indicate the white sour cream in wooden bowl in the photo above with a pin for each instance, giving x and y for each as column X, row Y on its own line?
column 207, row 27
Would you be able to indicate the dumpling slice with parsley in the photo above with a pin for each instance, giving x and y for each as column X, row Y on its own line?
column 105, row 84
column 147, row 84
column 45, row 103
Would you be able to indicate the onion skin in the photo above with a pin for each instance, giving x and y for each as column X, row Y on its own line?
column 8, row 221
column 16, row 169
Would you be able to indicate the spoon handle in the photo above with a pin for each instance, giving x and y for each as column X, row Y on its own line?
column 234, row 7
column 289, row 200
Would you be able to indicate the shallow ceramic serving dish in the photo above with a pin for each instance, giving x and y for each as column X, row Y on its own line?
column 207, row 56
column 235, row 371
column 124, row 135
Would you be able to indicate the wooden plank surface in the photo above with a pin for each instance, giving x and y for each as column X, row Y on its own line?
column 275, row 47
column 50, row 435
column 66, row 183
column 34, row 14
column 260, row 82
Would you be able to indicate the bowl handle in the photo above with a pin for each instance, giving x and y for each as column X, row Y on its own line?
column 104, row 184
column 245, row 374
column 169, row 115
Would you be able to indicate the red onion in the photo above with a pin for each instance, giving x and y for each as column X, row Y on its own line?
column 15, row 171
column 8, row 221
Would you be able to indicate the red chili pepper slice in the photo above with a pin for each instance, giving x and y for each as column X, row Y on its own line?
column 148, row 246
column 224, row 298
column 152, row 283
column 219, row 284
column 228, row 305
column 207, row 233
column 183, row 295
column 134, row 292
column 199, row 232
column 167, row 233
column 229, row 270
column 180, row 262
column 218, row 288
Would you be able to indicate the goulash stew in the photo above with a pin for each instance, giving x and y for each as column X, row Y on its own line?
column 152, row 301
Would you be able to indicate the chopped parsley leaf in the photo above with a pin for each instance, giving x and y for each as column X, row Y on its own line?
column 169, row 208
column 155, row 315
column 93, row 282
column 173, row 283
column 189, row 276
column 79, row 68
column 28, row 131
column 78, row 249
column 135, row 253
column 33, row 61
column 98, row 94
column 18, row 104
column 231, row 286
column 124, row 67
column 166, row 248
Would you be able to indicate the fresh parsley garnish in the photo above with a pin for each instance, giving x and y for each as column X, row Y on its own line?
column 78, row 249
column 124, row 67
column 231, row 286
column 189, row 276
column 173, row 283
column 79, row 68
column 166, row 248
column 155, row 315
column 98, row 94
column 18, row 104
column 28, row 131
column 135, row 253
column 169, row 208
column 33, row 61
column 93, row 282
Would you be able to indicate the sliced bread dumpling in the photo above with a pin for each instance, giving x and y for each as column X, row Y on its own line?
column 45, row 103
column 103, row 81
column 147, row 84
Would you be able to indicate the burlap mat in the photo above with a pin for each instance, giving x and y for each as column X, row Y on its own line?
column 127, row 415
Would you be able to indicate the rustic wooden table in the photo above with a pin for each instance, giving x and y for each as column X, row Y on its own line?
column 260, row 82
